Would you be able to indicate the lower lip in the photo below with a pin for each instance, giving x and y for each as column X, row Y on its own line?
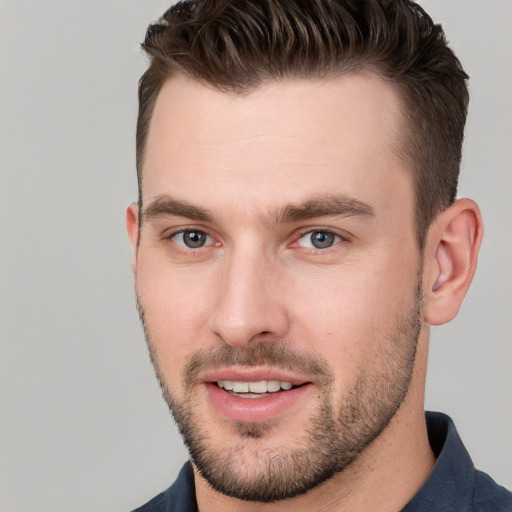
column 254, row 410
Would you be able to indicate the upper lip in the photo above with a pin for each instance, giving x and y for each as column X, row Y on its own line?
column 240, row 374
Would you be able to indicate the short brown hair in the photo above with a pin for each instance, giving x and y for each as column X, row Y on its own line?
column 236, row 45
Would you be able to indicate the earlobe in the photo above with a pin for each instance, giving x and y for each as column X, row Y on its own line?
column 451, row 256
column 132, row 227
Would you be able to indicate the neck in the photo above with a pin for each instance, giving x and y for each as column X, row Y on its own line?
column 384, row 478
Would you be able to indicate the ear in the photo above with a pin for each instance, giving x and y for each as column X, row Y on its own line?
column 132, row 226
column 451, row 254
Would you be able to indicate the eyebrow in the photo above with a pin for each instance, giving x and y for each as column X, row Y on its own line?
column 165, row 205
column 322, row 206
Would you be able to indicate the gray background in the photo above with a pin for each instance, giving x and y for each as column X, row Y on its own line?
column 82, row 424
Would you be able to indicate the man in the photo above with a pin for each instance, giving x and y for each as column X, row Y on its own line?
column 296, row 235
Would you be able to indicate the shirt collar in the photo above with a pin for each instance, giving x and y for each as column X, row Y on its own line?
column 450, row 484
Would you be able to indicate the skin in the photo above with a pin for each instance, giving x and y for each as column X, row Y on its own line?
column 242, row 160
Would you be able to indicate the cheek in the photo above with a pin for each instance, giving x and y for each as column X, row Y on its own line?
column 348, row 315
column 176, row 309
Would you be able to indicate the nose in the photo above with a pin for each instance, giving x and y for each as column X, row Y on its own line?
column 251, row 305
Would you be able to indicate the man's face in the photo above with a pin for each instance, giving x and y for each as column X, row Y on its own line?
column 277, row 251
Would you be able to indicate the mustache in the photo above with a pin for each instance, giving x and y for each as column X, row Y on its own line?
column 269, row 354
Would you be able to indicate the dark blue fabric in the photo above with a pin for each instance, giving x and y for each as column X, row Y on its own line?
column 453, row 486
column 180, row 497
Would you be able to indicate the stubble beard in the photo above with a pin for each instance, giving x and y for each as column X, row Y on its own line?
column 334, row 438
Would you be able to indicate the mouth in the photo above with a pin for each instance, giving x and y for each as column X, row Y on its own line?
column 255, row 389
column 254, row 395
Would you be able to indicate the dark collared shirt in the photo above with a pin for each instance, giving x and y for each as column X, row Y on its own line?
column 453, row 486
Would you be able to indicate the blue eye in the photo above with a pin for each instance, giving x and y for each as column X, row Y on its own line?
column 318, row 240
column 192, row 239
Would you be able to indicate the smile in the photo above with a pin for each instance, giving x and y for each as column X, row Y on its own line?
column 255, row 400
column 257, row 389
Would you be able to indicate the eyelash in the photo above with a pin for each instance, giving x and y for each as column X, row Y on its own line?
column 190, row 250
column 313, row 250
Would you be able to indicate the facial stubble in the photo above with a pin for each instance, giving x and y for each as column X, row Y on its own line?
column 334, row 438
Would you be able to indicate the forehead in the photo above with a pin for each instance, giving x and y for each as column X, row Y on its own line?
column 280, row 143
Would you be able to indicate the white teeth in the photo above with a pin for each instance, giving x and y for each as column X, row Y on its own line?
column 241, row 387
column 258, row 387
column 273, row 386
column 262, row 386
